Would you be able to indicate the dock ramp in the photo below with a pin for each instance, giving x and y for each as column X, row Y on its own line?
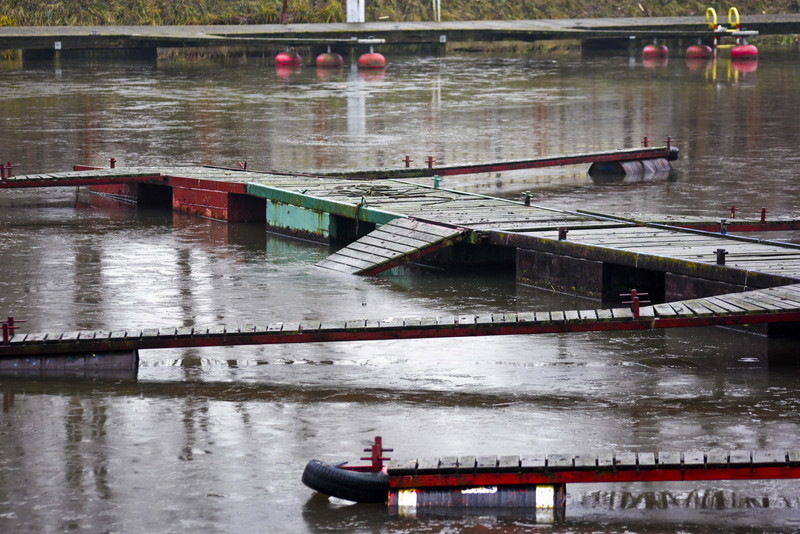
column 395, row 243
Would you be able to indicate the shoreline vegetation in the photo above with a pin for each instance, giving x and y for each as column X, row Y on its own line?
column 193, row 12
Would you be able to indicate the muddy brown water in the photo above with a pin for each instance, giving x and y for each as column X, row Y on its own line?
column 215, row 440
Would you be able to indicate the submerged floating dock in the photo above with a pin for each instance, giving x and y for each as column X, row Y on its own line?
column 777, row 307
column 693, row 277
column 529, row 483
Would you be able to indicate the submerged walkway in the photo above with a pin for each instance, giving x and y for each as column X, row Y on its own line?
column 774, row 305
column 387, row 222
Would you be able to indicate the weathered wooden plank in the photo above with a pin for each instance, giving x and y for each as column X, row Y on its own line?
column 541, row 317
column 466, row 463
column 681, row 309
column 399, row 466
column 150, row 333
column 446, row 321
column 427, row 465
column 622, row 313
column 392, row 324
column 605, row 460
column 697, row 308
column 355, row 325
column 508, row 464
column 290, row 328
column 740, row 458
column 371, row 240
column 559, row 461
column 483, row 320
column 70, row 336
column 646, row 312
column 727, row 306
column 310, row 327
column 773, row 300
column 769, row 458
column 533, row 462
column 486, row 464
column 743, row 303
column 694, row 459
column 669, row 459
column 376, row 251
column 604, row 314
column 625, row 460
column 664, row 310
column 646, row 460
column 448, row 464
column 716, row 458
column 585, row 461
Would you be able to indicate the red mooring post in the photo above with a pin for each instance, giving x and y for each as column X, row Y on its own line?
column 645, row 142
column 429, row 160
column 8, row 329
column 763, row 215
column 112, row 163
column 733, row 211
column 634, row 302
column 407, row 161
column 377, row 457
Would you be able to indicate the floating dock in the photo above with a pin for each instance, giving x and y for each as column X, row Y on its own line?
column 63, row 39
column 529, row 483
column 692, row 277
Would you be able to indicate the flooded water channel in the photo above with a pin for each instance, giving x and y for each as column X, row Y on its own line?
column 215, row 440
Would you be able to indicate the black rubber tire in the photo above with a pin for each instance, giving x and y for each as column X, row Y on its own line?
column 350, row 485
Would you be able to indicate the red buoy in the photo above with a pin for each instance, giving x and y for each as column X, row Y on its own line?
column 372, row 60
column 744, row 51
column 655, row 50
column 329, row 60
column 288, row 59
column 699, row 52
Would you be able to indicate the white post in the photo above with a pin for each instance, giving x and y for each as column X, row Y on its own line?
column 355, row 10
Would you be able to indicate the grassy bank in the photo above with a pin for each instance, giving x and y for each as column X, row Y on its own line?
column 154, row 12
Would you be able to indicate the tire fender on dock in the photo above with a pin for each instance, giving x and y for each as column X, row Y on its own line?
column 349, row 485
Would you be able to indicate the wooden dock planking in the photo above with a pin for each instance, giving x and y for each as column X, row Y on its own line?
column 409, row 239
column 606, row 467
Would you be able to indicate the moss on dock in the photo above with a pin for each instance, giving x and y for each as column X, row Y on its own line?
column 186, row 12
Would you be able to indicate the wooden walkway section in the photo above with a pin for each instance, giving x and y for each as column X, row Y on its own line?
column 630, row 241
column 773, row 305
column 393, row 32
column 539, row 469
column 674, row 250
column 396, row 242
column 435, row 169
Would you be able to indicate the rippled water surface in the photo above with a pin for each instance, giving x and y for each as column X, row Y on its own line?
column 215, row 440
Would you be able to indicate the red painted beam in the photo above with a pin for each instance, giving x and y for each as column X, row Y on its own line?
column 556, row 161
column 317, row 335
column 575, row 476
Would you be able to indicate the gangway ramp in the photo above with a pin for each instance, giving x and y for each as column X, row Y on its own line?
column 395, row 243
